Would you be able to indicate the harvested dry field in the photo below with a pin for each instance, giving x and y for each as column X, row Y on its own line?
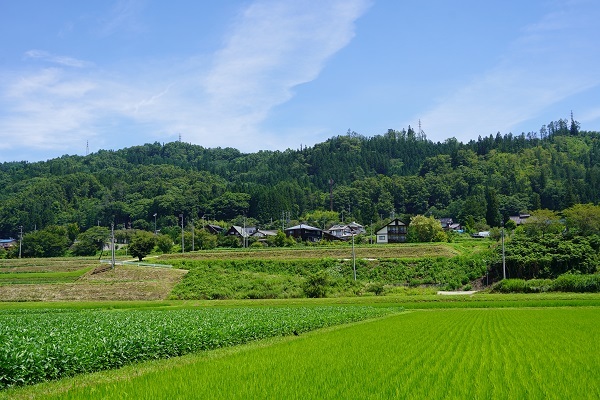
column 126, row 282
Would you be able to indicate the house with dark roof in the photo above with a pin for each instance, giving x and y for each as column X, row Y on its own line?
column 7, row 243
column 449, row 225
column 394, row 232
column 242, row 232
column 519, row 219
column 214, row 229
column 305, row 232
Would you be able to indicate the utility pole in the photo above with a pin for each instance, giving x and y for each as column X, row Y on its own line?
column 112, row 245
column 353, row 257
column 20, row 239
column 244, row 233
column 330, row 194
column 503, row 255
column 155, row 224
column 182, row 240
column 193, row 234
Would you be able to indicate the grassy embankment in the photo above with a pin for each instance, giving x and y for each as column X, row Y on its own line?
column 281, row 273
column 243, row 273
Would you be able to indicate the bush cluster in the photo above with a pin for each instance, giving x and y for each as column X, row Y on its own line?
column 255, row 278
column 564, row 283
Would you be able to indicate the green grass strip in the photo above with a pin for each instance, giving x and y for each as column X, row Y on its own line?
column 42, row 277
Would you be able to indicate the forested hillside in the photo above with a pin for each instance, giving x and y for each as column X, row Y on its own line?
column 399, row 172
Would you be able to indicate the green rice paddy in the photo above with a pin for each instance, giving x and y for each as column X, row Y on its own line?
column 508, row 353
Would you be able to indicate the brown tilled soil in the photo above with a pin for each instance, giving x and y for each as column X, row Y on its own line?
column 122, row 283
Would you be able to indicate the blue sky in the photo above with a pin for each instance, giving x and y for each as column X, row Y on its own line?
column 275, row 74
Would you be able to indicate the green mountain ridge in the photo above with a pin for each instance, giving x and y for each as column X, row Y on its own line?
column 399, row 173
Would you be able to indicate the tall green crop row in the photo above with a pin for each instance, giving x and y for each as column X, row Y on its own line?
column 37, row 346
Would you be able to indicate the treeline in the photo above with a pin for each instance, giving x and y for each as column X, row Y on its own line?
column 549, row 245
column 399, row 173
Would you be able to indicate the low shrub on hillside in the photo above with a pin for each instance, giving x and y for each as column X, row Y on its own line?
column 267, row 278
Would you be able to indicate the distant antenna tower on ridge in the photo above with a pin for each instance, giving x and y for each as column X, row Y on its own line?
column 87, row 147
column 421, row 133
column 180, row 138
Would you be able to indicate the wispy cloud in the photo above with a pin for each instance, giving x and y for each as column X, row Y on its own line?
column 124, row 16
column 213, row 100
column 61, row 60
column 546, row 65
column 273, row 47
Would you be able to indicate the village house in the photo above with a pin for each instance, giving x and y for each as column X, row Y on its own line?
column 7, row 243
column 393, row 232
column 449, row 225
column 519, row 219
column 305, row 232
column 262, row 235
column 241, row 232
column 214, row 229
column 345, row 232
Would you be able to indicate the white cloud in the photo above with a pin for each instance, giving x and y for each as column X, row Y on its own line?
column 274, row 47
column 549, row 63
column 271, row 47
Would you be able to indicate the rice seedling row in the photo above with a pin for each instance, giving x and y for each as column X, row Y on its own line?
column 38, row 345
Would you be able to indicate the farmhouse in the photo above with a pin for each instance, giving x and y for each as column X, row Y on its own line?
column 305, row 233
column 7, row 243
column 241, row 231
column 393, row 232
column 448, row 224
column 519, row 219
column 263, row 234
column 214, row 229
column 345, row 232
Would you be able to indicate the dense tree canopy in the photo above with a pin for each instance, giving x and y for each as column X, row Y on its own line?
column 364, row 179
